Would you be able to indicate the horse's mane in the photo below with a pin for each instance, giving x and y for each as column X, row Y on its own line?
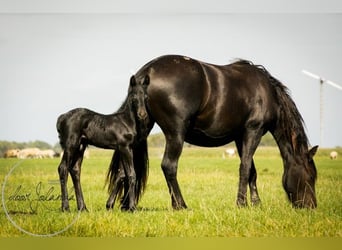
column 290, row 120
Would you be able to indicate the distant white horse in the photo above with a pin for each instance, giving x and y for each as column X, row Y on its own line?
column 230, row 152
column 333, row 155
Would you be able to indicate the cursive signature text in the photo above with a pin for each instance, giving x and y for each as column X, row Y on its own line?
column 39, row 196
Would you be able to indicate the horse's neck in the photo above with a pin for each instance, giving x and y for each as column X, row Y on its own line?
column 286, row 149
column 126, row 116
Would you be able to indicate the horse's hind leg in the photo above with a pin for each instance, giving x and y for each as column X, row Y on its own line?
column 63, row 178
column 75, row 172
column 173, row 149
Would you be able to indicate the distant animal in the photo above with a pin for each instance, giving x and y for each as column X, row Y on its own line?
column 210, row 105
column 230, row 152
column 333, row 155
column 120, row 131
column 11, row 153
column 48, row 153
column 33, row 153
column 86, row 154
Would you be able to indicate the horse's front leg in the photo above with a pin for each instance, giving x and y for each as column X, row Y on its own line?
column 247, row 172
column 129, row 198
column 255, row 199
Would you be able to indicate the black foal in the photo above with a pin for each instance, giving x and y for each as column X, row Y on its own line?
column 119, row 131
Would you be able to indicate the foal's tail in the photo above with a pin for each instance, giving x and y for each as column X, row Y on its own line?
column 141, row 164
column 60, row 126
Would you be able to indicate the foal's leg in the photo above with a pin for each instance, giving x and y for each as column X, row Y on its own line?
column 125, row 198
column 63, row 178
column 127, row 163
column 173, row 150
column 75, row 172
column 247, row 171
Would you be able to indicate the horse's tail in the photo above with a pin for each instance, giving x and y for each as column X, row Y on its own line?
column 290, row 122
column 113, row 174
column 141, row 164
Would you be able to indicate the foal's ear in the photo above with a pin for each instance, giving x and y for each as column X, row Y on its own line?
column 146, row 80
column 313, row 151
column 132, row 81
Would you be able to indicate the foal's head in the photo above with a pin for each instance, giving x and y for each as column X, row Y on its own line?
column 299, row 181
column 137, row 94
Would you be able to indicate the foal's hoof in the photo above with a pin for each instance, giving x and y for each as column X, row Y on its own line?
column 128, row 209
column 65, row 209
column 179, row 207
column 109, row 206
column 83, row 209
column 241, row 203
column 256, row 202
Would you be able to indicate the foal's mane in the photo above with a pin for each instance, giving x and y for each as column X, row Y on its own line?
column 290, row 120
column 124, row 106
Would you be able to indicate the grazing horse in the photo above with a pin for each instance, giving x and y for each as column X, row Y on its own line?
column 119, row 131
column 210, row 105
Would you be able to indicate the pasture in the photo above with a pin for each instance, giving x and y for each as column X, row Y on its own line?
column 209, row 185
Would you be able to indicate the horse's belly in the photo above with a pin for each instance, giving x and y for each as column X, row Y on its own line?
column 201, row 138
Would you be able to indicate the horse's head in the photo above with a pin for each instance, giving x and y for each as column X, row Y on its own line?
column 138, row 95
column 299, row 181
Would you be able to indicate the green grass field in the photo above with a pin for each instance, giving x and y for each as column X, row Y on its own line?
column 209, row 186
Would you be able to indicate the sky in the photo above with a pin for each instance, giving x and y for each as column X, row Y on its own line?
column 57, row 57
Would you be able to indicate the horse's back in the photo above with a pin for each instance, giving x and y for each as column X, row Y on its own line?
column 71, row 123
column 176, row 88
column 212, row 102
column 72, row 116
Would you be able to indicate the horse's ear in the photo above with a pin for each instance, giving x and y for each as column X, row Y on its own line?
column 313, row 151
column 146, row 80
column 132, row 81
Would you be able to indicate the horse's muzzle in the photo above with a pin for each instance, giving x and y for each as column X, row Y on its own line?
column 142, row 114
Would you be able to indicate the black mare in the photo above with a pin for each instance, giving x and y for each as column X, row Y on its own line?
column 210, row 105
column 120, row 131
